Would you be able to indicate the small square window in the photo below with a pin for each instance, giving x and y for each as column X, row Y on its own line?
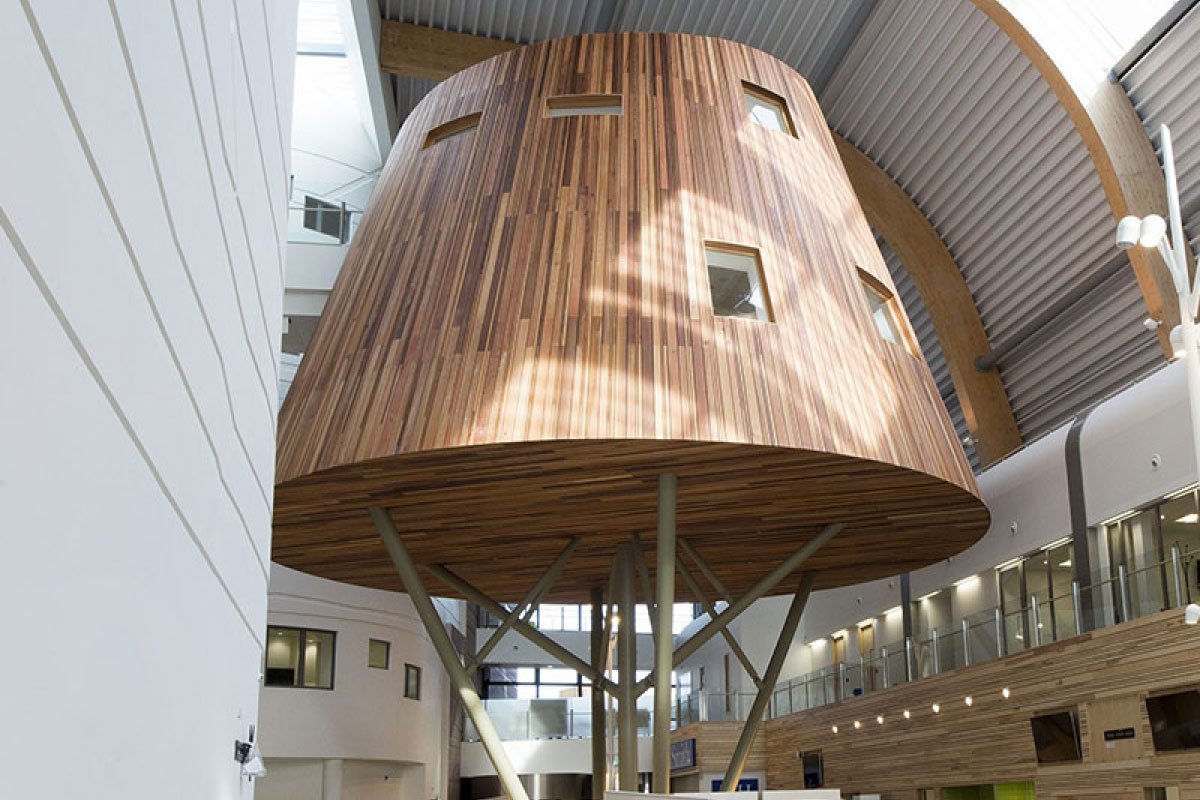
column 379, row 653
column 736, row 282
column 577, row 105
column 882, row 307
column 768, row 109
column 453, row 128
column 412, row 682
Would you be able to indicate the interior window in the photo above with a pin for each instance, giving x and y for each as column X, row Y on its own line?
column 882, row 306
column 576, row 105
column 768, row 109
column 736, row 283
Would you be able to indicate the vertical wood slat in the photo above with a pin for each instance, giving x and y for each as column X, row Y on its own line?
column 535, row 280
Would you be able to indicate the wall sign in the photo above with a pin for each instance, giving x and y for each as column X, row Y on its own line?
column 1119, row 733
column 683, row 754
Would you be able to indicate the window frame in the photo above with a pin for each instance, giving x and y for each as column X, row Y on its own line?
column 387, row 653
column 409, row 670
column 763, row 285
column 765, row 95
column 891, row 304
column 452, row 128
column 593, row 104
column 299, row 684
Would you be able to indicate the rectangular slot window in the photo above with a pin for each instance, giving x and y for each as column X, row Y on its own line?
column 768, row 109
column 299, row 658
column 379, row 653
column 882, row 307
column 735, row 280
column 412, row 682
column 581, row 105
column 452, row 128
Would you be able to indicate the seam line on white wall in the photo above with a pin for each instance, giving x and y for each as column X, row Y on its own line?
column 187, row 270
column 270, row 399
column 44, row 289
column 283, row 153
column 102, row 188
column 262, row 159
column 237, row 198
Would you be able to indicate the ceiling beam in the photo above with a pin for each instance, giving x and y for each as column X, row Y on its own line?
column 1117, row 142
column 419, row 52
column 943, row 289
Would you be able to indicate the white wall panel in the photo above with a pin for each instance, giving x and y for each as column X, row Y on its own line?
column 137, row 467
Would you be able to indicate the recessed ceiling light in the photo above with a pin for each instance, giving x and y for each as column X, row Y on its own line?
column 1004, row 693
column 835, row 728
column 907, row 714
column 879, row 719
column 937, row 709
column 969, row 700
column 857, row 724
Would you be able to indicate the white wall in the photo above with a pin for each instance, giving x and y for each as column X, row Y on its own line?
column 139, row 324
column 366, row 716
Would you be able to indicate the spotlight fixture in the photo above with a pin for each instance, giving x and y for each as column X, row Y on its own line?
column 857, row 724
column 969, row 700
column 879, row 719
column 1005, row 693
column 907, row 714
column 937, row 709
column 835, row 728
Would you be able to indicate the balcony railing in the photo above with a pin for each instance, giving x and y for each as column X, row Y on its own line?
column 980, row 637
column 992, row 634
column 547, row 718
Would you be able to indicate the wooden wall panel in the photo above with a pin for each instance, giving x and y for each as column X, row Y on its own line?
column 714, row 746
column 522, row 339
column 1106, row 674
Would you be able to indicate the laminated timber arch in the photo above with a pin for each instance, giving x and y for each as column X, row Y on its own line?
column 420, row 52
column 1117, row 142
column 951, row 307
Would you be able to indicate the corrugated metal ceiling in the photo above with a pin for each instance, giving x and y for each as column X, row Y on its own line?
column 1165, row 88
column 942, row 99
column 945, row 102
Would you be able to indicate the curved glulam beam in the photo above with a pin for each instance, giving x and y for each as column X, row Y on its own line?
column 951, row 307
column 1109, row 125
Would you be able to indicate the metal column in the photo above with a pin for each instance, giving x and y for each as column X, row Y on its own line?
column 664, row 643
column 754, row 719
column 599, row 654
column 627, row 767
column 509, row 780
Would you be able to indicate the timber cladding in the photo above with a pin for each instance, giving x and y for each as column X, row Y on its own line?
column 522, row 338
column 1106, row 675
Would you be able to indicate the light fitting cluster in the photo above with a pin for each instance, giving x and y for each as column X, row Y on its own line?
column 935, row 708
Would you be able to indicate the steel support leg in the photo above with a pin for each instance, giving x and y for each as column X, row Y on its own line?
column 488, row 737
column 627, row 766
column 528, row 604
column 711, row 610
column 664, row 644
column 599, row 645
column 764, row 585
column 754, row 719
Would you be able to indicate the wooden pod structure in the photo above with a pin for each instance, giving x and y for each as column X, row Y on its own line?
column 533, row 323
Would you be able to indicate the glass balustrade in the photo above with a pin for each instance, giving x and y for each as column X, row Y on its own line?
column 980, row 637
